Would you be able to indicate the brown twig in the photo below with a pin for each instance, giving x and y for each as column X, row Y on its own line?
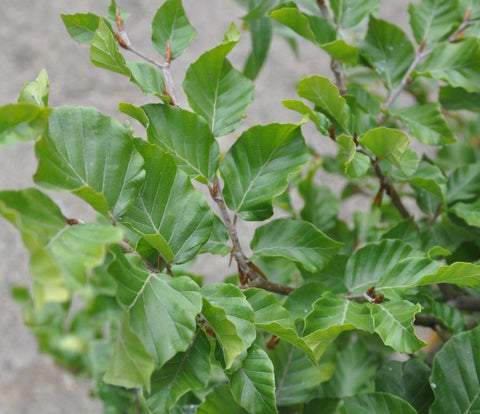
column 125, row 246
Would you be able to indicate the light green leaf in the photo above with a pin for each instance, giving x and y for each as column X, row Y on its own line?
column 377, row 402
column 388, row 50
column 356, row 163
column 459, row 273
column 220, row 401
column 455, row 376
column 349, row 13
column 148, row 79
column 325, row 95
column 432, row 20
column 295, row 240
column 385, row 142
column 261, row 35
column 321, row 205
column 162, row 309
column 22, row 122
column 274, row 319
column 62, row 256
column 464, row 184
column 458, row 64
column 458, row 98
column 225, row 332
column 342, row 51
column 171, row 25
column 253, row 384
column 237, row 309
column 81, row 26
column 373, row 262
column 93, row 156
column 470, row 212
column 321, row 121
column 426, row 123
column 314, row 28
column 393, row 321
column 186, row 136
column 134, row 111
column 297, row 378
column 36, row 92
column 189, row 370
column 104, row 50
column 330, row 317
column 355, row 367
column 169, row 213
column 407, row 380
column 217, row 91
column 257, row 166
column 131, row 365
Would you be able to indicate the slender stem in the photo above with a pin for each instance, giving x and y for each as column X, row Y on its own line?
column 129, row 249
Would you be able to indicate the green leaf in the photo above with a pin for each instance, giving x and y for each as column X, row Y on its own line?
column 295, row 240
column 458, row 64
column 314, row 28
column 458, row 98
column 186, row 137
column 356, row 163
column 189, row 370
column 355, row 367
column 321, row 205
column 388, row 50
column 131, row 365
column 325, row 95
column 330, row 317
column 218, row 241
column 393, row 321
column 104, row 50
column 22, row 122
column 62, row 256
column 385, row 142
column 147, row 78
column 225, row 332
column 169, row 213
column 377, row 402
column 300, row 302
column 321, row 121
column 162, row 309
column 253, row 384
column 297, row 378
column 342, row 51
column 237, row 309
column 36, row 92
column 432, row 20
column 407, row 380
column 455, row 379
column 171, row 25
column 81, row 26
column 257, row 166
column 464, row 184
column 93, row 156
column 470, row 212
column 373, row 261
column 459, row 273
column 220, row 401
column 112, row 12
column 261, row 35
column 274, row 319
column 217, row 91
column 349, row 13
column 426, row 123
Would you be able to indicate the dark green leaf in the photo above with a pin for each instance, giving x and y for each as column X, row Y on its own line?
column 470, row 212
column 253, row 384
column 388, row 50
column 186, row 136
column 171, row 25
column 169, row 213
column 257, row 166
column 261, row 35
column 377, row 402
column 220, row 401
column 300, row 302
column 93, row 156
column 458, row 98
column 217, row 91
column 356, row 163
column 455, row 376
column 295, row 240
column 464, row 184
column 218, row 241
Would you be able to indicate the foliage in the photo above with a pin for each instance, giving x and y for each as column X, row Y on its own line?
column 312, row 319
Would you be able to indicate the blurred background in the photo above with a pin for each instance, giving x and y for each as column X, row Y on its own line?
column 32, row 37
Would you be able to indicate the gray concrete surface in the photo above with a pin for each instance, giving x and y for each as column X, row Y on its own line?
column 32, row 37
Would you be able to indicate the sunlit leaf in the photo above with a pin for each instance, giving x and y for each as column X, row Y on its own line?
column 36, row 91
column 81, row 26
